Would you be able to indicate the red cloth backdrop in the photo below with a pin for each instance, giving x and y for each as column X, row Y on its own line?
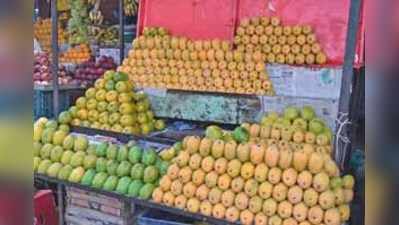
column 205, row 19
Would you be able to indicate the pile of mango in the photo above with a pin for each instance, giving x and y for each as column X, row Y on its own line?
column 125, row 169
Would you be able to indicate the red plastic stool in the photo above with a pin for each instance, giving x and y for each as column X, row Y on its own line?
column 45, row 208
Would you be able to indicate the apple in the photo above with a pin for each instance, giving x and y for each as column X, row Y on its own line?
column 109, row 75
column 145, row 129
column 142, row 118
column 73, row 111
column 114, row 118
column 81, row 102
column 99, row 84
column 76, row 122
column 105, row 126
column 136, row 129
column 90, row 93
column 121, row 87
column 113, row 107
column 111, row 96
column 91, row 104
column 125, row 97
column 93, row 115
column 102, row 106
column 126, row 108
column 141, row 107
column 139, row 96
column 159, row 124
column 316, row 126
column 103, row 117
column 127, row 120
column 100, row 95
column 86, row 123
column 128, row 130
column 150, row 115
column 82, row 114
column 95, row 125
column 117, row 128
column 110, row 85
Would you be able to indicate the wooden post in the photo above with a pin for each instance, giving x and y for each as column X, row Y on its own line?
column 54, row 63
column 347, row 81
column 121, row 31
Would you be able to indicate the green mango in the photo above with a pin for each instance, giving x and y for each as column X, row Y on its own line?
column 146, row 191
column 137, row 171
column 88, row 177
column 54, row 169
column 149, row 157
column 112, row 151
column 135, row 154
column 64, row 173
column 43, row 166
column 241, row 135
column 101, row 150
column 122, row 153
column 112, row 166
column 123, row 185
column 99, row 180
column 134, row 188
column 101, row 165
column 151, row 174
column 111, row 183
column 123, row 169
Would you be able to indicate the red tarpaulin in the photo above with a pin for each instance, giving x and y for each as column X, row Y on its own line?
column 205, row 19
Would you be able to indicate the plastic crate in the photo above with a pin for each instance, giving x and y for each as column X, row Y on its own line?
column 43, row 100
column 154, row 217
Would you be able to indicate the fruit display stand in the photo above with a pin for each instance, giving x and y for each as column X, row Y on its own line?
column 331, row 102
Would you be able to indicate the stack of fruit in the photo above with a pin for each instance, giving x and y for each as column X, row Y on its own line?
column 279, row 43
column 104, row 36
column 125, row 169
column 112, row 105
column 130, row 7
column 302, row 127
column 78, row 23
column 42, row 74
column 89, row 71
column 77, row 54
column 163, row 61
column 42, row 32
column 267, row 180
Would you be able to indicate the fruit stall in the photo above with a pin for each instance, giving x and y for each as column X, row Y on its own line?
column 216, row 112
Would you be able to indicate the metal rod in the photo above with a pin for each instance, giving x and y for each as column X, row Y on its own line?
column 54, row 64
column 347, row 73
column 121, row 31
column 60, row 199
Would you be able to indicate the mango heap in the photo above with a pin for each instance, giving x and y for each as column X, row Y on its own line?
column 125, row 169
column 160, row 60
column 112, row 105
column 298, row 126
column 279, row 43
column 274, row 178
column 42, row 32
